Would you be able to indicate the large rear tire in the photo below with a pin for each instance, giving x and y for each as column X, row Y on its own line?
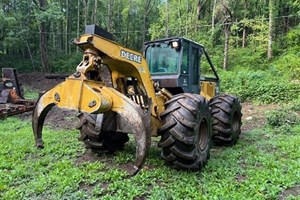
column 186, row 131
column 227, row 119
column 99, row 142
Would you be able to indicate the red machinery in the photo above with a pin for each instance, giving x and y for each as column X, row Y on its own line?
column 12, row 101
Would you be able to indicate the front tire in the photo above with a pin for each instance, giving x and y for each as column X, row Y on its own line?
column 227, row 119
column 186, row 132
column 99, row 141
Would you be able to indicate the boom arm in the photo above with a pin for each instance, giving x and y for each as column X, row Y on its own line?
column 122, row 62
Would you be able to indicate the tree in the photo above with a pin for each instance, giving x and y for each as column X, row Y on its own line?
column 43, row 40
column 147, row 8
column 213, row 17
column 110, row 11
column 271, row 24
column 228, row 19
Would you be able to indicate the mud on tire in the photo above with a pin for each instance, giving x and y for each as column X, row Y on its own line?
column 186, row 132
column 104, row 142
column 226, row 116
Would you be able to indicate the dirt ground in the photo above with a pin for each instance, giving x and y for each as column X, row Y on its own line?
column 56, row 118
column 37, row 81
column 254, row 115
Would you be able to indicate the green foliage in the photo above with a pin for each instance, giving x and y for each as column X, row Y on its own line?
column 261, row 166
column 132, row 22
column 259, row 35
column 289, row 63
column 29, row 93
column 253, row 59
column 293, row 37
column 260, row 86
column 66, row 63
column 21, row 64
column 281, row 117
column 53, row 12
column 179, row 19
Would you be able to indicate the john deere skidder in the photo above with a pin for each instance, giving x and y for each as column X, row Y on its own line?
column 159, row 94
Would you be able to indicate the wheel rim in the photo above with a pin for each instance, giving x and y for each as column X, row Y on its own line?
column 235, row 122
column 203, row 134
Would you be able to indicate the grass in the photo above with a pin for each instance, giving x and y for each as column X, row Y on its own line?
column 262, row 165
column 30, row 93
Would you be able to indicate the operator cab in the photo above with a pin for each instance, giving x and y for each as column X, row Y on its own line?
column 175, row 64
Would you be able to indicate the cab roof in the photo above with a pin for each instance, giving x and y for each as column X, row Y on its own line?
column 173, row 39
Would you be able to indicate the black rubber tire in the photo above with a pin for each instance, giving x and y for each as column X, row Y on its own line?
column 186, row 132
column 104, row 142
column 227, row 119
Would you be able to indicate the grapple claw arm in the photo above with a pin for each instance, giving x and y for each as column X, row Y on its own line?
column 138, row 121
column 39, row 114
column 101, row 100
column 69, row 95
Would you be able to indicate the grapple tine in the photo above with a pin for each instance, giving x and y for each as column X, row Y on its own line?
column 141, row 129
column 39, row 114
column 139, row 122
column 142, row 149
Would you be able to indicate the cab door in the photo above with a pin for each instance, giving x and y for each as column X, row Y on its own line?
column 195, row 68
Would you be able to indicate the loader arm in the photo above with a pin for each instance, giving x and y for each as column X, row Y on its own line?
column 121, row 61
column 84, row 91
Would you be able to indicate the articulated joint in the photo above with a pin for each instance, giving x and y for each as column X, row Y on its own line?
column 91, row 61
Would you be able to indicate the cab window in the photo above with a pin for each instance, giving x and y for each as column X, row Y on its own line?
column 162, row 59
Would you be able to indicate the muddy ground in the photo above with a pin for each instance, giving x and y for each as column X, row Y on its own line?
column 56, row 118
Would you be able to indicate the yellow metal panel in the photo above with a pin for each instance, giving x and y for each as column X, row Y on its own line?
column 208, row 89
column 78, row 94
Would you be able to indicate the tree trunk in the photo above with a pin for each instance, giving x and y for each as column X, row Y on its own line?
column 167, row 18
column 147, row 9
column 244, row 37
column 198, row 9
column 86, row 11
column 43, row 49
column 61, row 36
column 110, row 12
column 95, row 12
column 227, row 30
column 53, row 30
column 271, row 24
column 78, row 21
column 127, row 29
column 286, row 20
column 226, row 46
column 31, row 57
column 213, row 18
column 67, row 28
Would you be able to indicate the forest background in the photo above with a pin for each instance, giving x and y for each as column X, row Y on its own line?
column 254, row 40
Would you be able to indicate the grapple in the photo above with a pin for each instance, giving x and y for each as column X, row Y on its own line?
column 91, row 95
column 72, row 94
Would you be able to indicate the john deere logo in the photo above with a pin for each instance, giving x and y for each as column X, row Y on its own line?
column 131, row 56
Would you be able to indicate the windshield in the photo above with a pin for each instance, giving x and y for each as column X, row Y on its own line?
column 162, row 59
